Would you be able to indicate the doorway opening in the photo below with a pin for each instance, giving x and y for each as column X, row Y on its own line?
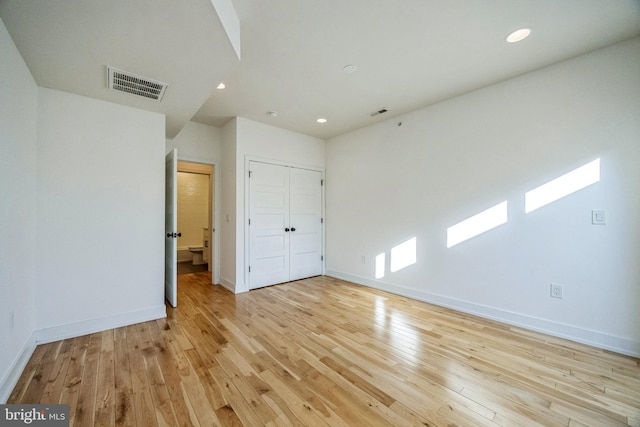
column 195, row 217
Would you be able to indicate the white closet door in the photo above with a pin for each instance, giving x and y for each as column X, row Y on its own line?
column 269, row 215
column 306, row 223
column 285, row 230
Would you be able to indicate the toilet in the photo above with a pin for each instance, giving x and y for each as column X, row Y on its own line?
column 197, row 252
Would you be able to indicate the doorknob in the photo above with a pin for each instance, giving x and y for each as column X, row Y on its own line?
column 286, row 229
column 293, row 229
column 174, row 235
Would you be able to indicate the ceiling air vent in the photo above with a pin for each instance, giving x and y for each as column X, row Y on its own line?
column 137, row 85
column 377, row 113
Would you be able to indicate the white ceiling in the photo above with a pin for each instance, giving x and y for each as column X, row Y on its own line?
column 409, row 53
column 67, row 45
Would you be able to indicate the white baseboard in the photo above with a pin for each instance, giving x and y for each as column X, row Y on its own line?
column 57, row 333
column 71, row 330
column 561, row 330
column 9, row 381
column 227, row 284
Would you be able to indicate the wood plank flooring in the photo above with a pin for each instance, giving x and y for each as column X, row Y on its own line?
column 323, row 352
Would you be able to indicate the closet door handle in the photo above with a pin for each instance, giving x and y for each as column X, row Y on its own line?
column 286, row 229
column 293, row 229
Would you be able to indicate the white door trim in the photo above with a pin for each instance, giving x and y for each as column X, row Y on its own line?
column 216, row 200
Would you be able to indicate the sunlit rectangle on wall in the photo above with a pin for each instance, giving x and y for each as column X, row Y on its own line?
column 403, row 255
column 560, row 187
column 477, row 224
column 380, row 265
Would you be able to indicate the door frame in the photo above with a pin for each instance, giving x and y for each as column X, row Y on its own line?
column 216, row 200
column 245, row 262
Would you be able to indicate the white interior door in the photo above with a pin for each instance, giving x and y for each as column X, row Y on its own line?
column 269, row 227
column 305, row 210
column 285, row 230
column 170, row 228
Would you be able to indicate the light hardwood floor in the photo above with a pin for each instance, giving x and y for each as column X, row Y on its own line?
column 323, row 352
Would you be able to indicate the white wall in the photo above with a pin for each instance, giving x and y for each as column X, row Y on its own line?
column 246, row 139
column 387, row 183
column 18, row 115
column 197, row 143
column 100, row 215
column 228, row 221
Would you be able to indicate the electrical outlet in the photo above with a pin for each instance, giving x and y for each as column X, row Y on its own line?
column 556, row 291
column 363, row 259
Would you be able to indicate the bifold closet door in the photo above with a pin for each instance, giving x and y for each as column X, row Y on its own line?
column 305, row 213
column 285, row 230
column 269, row 216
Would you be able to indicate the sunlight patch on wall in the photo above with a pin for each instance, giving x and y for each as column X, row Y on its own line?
column 477, row 224
column 560, row 187
column 403, row 255
column 380, row 265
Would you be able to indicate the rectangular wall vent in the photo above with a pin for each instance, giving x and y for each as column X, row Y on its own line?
column 136, row 85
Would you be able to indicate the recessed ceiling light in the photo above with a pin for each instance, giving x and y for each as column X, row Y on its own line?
column 350, row 69
column 518, row 35
column 221, row 86
column 321, row 120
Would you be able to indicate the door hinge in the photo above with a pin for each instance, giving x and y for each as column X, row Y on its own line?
column 249, row 269
column 321, row 220
column 321, row 257
column 250, row 174
column 321, row 182
column 249, row 221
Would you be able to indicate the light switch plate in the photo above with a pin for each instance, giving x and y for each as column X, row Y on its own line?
column 598, row 217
